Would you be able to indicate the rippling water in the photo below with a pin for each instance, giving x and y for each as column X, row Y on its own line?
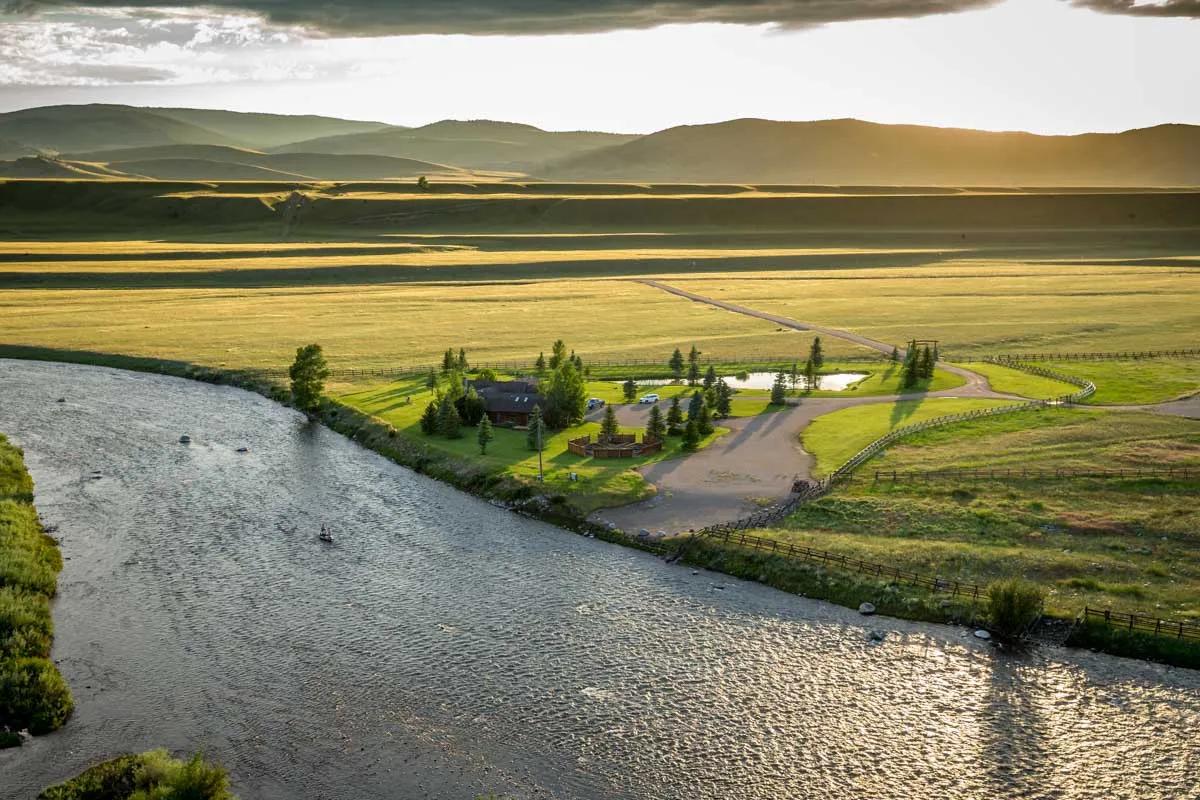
column 442, row 648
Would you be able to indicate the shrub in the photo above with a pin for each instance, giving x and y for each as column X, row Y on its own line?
column 154, row 775
column 25, row 624
column 33, row 695
column 1013, row 606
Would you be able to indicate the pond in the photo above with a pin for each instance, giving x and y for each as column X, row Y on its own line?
column 441, row 648
column 836, row 382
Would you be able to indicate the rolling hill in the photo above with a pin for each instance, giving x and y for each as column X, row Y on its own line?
column 222, row 163
column 264, row 131
column 852, row 152
column 480, row 144
column 97, row 127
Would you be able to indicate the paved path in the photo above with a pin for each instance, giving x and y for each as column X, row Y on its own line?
column 756, row 462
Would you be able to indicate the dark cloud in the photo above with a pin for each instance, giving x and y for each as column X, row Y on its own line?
column 383, row 17
column 1163, row 8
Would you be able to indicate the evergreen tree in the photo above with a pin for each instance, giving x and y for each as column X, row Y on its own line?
column 674, row 417
column 704, row 422
column 565, row 396
column 558, row 352
column 656, row 428
column 537, row 430
column 815, row 353
column 724, row 403
column 895, row 353
column 449, row 423
column 691, row 436
column 485, row 435
column 539, row 366
column 629, row 388
column 812, row 378
column 608, row 426
column 578, row 363
column 676, row 364
column 429, row 420
column 926, row 363
column 461, row 361
column 431, row 381
column 308, row 373
column 710, row 377
column 448, row 360
column 936, row 357
column 693, row 366
column 694, row 406
column 471, row 408
column 779, row 390
column 794, row 376
column 910, row 372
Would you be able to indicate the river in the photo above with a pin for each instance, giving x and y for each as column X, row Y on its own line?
column 442, row 648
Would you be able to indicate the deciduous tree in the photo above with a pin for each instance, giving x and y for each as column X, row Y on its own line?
column 308, row 373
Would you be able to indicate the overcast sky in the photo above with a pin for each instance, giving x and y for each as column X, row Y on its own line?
column 1050, row 66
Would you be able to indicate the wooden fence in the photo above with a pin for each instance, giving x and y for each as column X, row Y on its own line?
column 1143, row 624
column 819, row 488
column 1026, row 474
column 1127, row 355
column 826, row 558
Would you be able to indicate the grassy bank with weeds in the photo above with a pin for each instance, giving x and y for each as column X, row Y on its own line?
column 1096, row 635
column 33, row 695
column 830, row 584
column 152, row 775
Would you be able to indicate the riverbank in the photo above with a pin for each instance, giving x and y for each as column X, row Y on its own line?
column 33, row 695
column 523, row 497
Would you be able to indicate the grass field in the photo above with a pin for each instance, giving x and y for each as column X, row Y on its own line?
column 985, row 306
column 1014, row 381
column 1132, row 382
column 834, row 438
column 1125, row 544
column 600, row 482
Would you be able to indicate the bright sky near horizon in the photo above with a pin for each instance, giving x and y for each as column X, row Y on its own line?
column 1046, row 66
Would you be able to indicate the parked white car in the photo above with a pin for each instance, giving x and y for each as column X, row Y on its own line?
column 648, row 399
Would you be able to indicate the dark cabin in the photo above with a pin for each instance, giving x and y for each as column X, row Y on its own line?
column 508, row 402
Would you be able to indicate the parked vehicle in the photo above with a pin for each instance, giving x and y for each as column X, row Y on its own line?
column 594, row 403
column 648, row 399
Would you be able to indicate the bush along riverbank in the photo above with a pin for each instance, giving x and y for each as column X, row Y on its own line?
column 33, row 695
column 154, row 774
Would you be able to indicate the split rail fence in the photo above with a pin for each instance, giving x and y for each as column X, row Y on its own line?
column 1025, row 474
column 1140, row 623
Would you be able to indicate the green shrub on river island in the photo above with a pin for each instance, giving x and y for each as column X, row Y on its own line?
column 33, row 695
column 154, row 775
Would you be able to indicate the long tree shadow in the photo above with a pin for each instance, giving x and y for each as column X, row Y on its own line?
column 903, row 410
column 1013, row 730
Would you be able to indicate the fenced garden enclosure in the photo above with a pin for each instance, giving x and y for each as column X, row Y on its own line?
column 622, row 445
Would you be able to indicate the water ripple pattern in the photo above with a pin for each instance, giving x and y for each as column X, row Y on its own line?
column 441, row 648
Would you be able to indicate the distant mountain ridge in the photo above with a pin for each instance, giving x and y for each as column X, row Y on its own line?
column 179, row 144
column 852, row 152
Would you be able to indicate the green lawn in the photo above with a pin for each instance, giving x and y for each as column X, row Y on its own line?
column 834, row 438
column 600, row 482
column 1126, row 544
column 1131, row 382
column 1014, row 381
